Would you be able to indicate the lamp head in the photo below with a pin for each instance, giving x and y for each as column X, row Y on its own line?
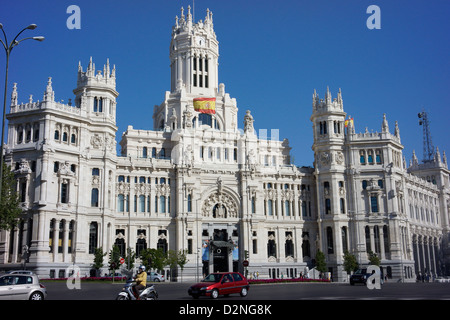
column 32, row 26
column 39, row 38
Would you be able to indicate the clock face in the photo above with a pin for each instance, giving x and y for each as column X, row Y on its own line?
column 200, row 41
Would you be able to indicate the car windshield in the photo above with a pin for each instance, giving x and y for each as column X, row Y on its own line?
column 360, row 271
column 213, row 277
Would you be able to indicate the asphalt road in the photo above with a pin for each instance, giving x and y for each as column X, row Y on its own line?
column 268, row 292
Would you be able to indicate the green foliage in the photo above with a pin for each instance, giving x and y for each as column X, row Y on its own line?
column 374, row 259
column 350, row 263
column 153, row 259
column 98, row 258
column 9, row 202
column 182, row 258
column 114, row 258
column 321, row 265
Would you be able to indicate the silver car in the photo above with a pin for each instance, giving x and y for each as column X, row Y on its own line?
column 154, row 276
column 21, row 287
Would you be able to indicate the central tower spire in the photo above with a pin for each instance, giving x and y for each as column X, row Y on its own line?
column 194, row 53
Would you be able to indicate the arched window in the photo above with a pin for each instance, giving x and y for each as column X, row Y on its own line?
column 144, row 152
column 289, row 245
column 141, row 244
column 19, row 134
column 56, row 134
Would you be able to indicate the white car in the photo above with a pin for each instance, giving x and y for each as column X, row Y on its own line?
column 154, row 276
column 21, row 287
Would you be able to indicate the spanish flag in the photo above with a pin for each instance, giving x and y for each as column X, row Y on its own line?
column 205, row 105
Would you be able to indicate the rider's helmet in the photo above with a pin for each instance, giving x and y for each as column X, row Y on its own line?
column 142, row 268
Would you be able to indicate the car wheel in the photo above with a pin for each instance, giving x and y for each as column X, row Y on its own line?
column 37, row 296
column 214, row 294
column 157, row 280
column 195, row 296
column 244, row 292
column 121, row 297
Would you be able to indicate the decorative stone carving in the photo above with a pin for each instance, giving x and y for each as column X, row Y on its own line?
column 325, row 158
column 96, row 141
column 339, row 158
column 220, row 205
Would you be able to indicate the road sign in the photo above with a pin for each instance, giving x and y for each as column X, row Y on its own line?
column 245, row 263
column 122, row 260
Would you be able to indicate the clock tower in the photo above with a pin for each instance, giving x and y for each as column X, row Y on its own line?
column 194, row 53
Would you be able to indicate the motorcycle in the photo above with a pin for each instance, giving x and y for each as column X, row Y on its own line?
column 149, row 293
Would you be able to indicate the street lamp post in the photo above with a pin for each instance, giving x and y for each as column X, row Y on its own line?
column 8, row 48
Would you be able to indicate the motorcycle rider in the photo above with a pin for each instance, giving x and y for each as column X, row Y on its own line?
column 141, row 281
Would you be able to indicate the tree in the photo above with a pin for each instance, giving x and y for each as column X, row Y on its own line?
column 182, row 260
column 114, row 259
column 321, row 265
column 153, row 258
column 373, row 258
column 350, row 263
column 98, row 259
column 10, row 210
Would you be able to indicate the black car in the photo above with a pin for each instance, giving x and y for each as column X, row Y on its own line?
column 361, row 275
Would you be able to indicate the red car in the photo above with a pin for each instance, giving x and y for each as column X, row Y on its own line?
column 220, row 283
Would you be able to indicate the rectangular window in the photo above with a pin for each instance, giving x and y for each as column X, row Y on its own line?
column 120, row 203
column 270, row 207
column 378, row 158
column 362, row 159
column 253, row 205
column 94, row 197
column 304, row 208
column 374, row 203
column 327, row 206
column 255, row 246
column 162, row 204
column 64, row 193
column 142, row 203
column 287, row 208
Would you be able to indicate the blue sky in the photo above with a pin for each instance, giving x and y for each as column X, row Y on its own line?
column 273, row 54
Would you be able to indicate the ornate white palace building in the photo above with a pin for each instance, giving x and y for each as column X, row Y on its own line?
column 197, row 182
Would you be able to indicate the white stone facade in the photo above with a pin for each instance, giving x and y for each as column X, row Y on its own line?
column 197, row 182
